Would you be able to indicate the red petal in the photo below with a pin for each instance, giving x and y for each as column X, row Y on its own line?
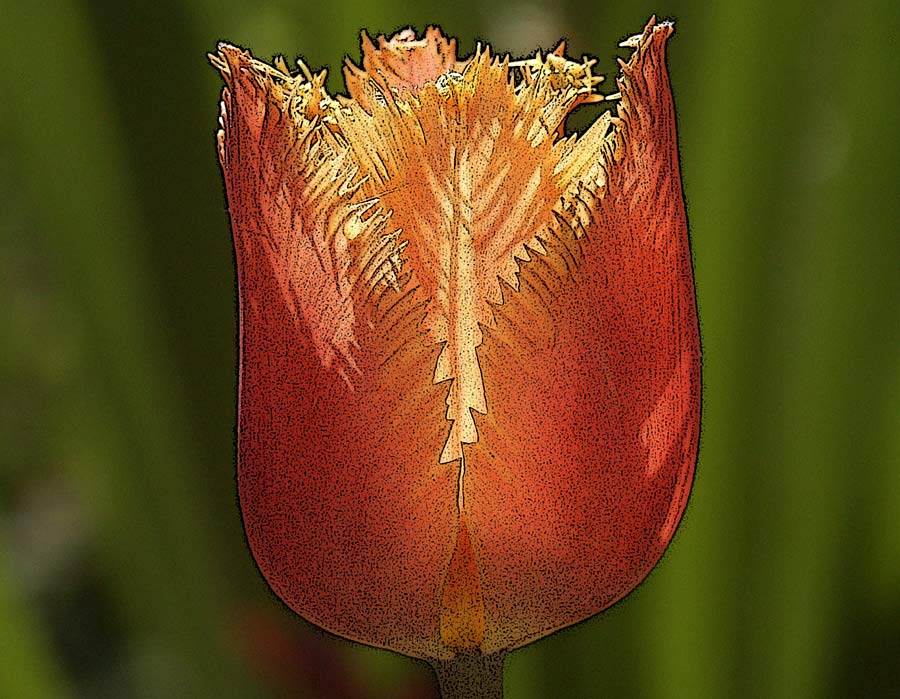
column 592, row 374
column 346, row 516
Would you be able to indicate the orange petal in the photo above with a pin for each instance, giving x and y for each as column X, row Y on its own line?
column 604, row 399
column 402, row 64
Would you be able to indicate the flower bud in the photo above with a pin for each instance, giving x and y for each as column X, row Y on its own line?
column 469, row 352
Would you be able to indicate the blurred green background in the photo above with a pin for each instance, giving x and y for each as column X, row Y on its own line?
column 124, row 571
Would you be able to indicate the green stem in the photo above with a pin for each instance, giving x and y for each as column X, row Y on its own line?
column 471, row 676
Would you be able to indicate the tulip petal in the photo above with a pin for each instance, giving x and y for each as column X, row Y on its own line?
column 346, row 519
column 595, row 365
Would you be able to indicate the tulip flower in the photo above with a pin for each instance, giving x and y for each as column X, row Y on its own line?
column 469, row 352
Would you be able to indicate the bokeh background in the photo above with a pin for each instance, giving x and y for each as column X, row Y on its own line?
column 123, row 568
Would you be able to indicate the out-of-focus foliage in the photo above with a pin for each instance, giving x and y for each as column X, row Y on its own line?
column 124, row 570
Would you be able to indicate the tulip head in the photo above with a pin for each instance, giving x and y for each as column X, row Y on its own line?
column 469, row 353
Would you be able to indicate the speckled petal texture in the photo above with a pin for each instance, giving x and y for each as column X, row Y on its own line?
column 469, row 350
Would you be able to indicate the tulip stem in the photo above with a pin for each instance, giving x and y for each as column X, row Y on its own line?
column 471, row 676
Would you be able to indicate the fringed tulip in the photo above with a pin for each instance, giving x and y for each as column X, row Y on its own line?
column 469, row 350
